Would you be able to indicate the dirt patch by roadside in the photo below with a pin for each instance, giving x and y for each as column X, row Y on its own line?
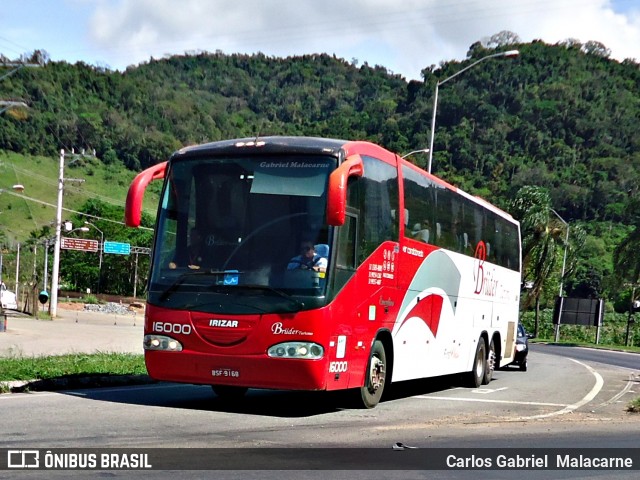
column 137, row 308
column 71, row 305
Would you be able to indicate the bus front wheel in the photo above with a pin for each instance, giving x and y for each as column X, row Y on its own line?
column 375, row 376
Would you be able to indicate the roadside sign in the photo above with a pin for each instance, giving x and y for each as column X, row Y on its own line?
column 83, row 244
column 118, row 248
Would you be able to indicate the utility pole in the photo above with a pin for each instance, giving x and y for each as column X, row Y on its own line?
column 53, row 303
column 55, row 273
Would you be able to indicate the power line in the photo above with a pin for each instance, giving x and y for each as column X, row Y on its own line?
column 73, row 188
column 24, row 49
column 24, row 197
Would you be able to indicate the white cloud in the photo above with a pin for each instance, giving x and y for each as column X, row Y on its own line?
column 403, row 36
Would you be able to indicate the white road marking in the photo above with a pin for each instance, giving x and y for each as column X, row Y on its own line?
column 627, row 389
column 484, row 391
column 487, row 400
column 565, row 408
column 574, row 406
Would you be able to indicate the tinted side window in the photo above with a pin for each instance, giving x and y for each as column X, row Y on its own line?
column 442, row 217
column 378, row 204
column 419, row 205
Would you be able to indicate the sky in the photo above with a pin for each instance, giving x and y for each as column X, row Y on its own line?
column 404, row 36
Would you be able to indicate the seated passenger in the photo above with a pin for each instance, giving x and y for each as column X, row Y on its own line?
column 308, row 259
column 421, row 232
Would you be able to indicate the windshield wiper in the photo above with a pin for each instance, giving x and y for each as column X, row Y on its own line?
column 286, row 296
column 180, row 280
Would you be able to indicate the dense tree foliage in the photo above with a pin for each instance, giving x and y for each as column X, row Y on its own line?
column 562, row 117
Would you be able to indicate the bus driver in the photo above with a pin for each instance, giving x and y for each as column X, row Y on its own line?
column 308, row 259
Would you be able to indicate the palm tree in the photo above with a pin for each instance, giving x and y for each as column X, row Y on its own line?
column 626, row 260
column 542, row 233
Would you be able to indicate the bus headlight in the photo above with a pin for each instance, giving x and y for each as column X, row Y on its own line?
column 161, row 342
column 307, row 350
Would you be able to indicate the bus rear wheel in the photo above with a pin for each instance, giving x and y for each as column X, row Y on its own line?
column 491, row 363
column 475, row 377
column 229, row 392
column 375, row 376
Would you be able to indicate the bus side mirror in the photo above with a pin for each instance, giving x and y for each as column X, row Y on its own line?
column 337, row 195
column 133, row 208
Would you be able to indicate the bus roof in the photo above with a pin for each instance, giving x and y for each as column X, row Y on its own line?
column 316, row 146
column 267, row 145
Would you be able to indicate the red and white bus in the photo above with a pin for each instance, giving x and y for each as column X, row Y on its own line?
column 420, row 279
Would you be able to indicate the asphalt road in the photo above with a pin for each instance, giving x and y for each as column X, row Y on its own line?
column 560, row 402
column 569, row 397
column 605, row 357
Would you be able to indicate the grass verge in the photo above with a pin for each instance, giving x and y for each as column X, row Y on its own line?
column 73, row 370
column 572, row 343
column 634, row 406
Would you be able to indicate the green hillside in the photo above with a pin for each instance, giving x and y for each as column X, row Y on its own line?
column 39, row 175
column 560, row 117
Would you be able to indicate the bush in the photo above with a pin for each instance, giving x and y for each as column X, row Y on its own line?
column 90, row 299
column 612, row 332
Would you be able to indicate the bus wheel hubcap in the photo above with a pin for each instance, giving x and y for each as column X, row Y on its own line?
column 376, row 374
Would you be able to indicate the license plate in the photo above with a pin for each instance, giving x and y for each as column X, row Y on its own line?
column 225, row 372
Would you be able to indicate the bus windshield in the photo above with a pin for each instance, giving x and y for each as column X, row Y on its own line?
column 243, row 235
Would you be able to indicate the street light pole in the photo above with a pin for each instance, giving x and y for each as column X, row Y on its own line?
column 508, row 53
column 53, row 303
column 7, row 104
column 564, row 263
column 101, row 249
column 566, row 244
column 422, row 150
column 46, row 264
column 18, row 66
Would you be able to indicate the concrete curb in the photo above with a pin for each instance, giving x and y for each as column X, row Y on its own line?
column 76, row 382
